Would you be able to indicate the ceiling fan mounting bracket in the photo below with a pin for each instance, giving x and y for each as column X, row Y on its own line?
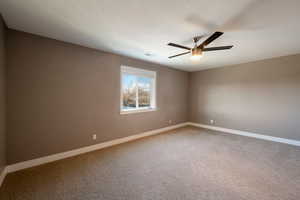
column 197, row 38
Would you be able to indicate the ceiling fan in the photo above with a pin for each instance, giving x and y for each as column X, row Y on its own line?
column 196, row 52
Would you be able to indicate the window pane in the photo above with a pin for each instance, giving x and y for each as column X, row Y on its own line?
column 144, row 91
column 129, row 91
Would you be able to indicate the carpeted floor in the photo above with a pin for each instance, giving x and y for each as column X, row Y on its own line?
column 186, row 163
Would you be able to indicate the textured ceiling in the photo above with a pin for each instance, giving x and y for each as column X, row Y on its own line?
column 258, row 29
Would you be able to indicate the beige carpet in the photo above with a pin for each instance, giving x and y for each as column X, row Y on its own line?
column 187, row 163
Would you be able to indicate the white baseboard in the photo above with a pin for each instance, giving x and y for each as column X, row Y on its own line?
column 2, row 175
column 67, row 154
column 63, row 155
column 248, row 134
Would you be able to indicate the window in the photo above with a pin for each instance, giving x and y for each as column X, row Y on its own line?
column 137, row 90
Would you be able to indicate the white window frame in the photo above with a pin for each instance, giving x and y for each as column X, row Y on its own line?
column 143, row 73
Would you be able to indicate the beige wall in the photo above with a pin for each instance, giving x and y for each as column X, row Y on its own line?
column 60, row 94
column 261, row 97
column 2, row 96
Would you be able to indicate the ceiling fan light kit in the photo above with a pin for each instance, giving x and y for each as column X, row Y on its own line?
column 198, row 50
column 196, row 54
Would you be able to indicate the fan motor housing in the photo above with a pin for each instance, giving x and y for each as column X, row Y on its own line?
column 196, row 52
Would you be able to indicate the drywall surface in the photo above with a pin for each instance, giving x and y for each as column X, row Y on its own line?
column 2, row 96
column 60, row 94
column 261, row 97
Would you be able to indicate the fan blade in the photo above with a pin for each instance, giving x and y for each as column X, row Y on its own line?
column 180, row 54
column 179, row 46
column 210, row 39
column 217, row 48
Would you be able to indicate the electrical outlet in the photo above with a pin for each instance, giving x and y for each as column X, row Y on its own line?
column 94, row 136
column 170, row 121
column 212, row 121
